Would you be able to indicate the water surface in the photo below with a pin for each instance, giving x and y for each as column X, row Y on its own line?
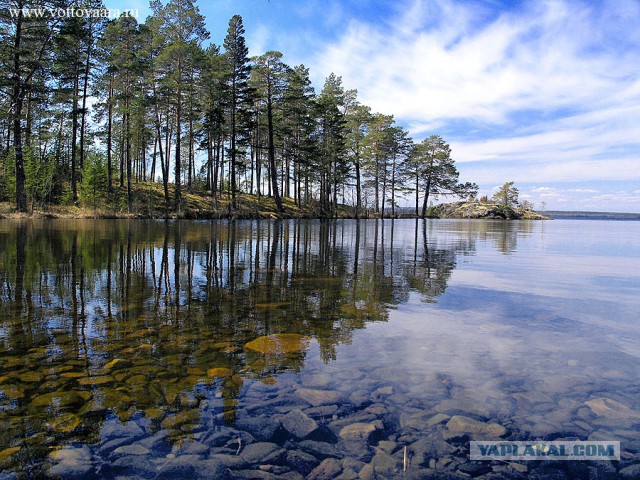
column 148, row 341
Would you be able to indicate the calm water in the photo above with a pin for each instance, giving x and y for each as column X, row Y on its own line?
column 151, row 348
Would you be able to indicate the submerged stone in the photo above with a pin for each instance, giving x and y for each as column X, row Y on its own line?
column 180, row 418
column 70, row 462
column 318, row 397
column 630, row 472
column 220, row 372
column 60, row 399
column 117, row 362
column 64, row 423
column 99, row 380
column 154, row 413
column 329, row 468
column 301, row 462
column 359, row 431
column 299, row 424
column 31, row 377
column 462, row 424
column 279, row 343
column 133, row 449
column 8, row 452
column 609, row 408
column 262, row 452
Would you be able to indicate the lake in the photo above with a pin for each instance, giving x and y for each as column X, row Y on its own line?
column 286, row 349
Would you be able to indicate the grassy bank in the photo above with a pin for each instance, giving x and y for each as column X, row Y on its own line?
column 149, row 202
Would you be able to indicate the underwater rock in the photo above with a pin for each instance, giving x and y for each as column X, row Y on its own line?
column 329, row 468
column 64, row 423
column 301, row 462
column 360, row 431
column 262, row 452
column 609, row 408
column 299, row 424
column 70, row 462
column 279, row 343
column 220, row 372
column 318, row 397
column 462, row 424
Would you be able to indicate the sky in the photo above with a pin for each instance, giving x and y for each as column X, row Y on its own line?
column 544, row 93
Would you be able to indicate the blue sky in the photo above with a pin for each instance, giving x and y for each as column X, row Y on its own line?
column 545, row 93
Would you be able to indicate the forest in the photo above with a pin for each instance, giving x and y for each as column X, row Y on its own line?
column 94, row 111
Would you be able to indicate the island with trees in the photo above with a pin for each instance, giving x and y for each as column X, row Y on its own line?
column 111, row 118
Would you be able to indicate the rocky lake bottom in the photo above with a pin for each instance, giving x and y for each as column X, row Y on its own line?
column 266, row 350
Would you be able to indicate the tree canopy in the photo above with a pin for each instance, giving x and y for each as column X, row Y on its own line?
column 94, row 108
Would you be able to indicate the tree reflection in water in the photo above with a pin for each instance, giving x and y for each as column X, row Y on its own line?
column 141, row 317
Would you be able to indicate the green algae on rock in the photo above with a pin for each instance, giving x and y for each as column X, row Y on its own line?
column 279, row 343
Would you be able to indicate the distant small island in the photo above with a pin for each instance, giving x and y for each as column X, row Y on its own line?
column 484, row 210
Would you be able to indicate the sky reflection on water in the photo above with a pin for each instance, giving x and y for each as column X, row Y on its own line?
column 520, row 322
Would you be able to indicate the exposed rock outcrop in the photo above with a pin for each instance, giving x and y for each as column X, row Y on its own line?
column 483, row 210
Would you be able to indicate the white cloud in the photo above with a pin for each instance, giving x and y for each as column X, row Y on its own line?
column 551, row 88
column 455, row 70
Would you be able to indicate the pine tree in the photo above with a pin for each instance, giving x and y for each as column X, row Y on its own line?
column 435, row 173
column 270, row 79
column 358, row 119
column 298, row 124
column 184, row 29
column 213, row 97
column 331, row 162
column 28, row 43
column 507, row 196
column 377, row 154
column 239, row 95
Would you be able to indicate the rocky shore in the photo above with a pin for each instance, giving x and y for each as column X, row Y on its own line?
column 312, row 429
column 486, row 210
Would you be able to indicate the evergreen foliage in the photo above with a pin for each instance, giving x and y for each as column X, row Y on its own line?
column 91, row 107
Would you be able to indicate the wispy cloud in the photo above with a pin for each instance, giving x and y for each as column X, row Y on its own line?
column 435, row 63
column 549, row 90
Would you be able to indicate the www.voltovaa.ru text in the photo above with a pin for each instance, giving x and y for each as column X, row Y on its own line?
column 72, row 12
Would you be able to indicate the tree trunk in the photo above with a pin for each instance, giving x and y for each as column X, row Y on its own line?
column 417, row 195
column 110, row 136
column 177, row 191
column 393, row 188
column 74, row 135
column 87, row 69
column 358, row 188
column 426, row 198
column 232, row 161
column 272, row 154
column 18, row 98
column 129, row 162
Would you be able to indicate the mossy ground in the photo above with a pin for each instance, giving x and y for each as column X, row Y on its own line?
column 149, row 202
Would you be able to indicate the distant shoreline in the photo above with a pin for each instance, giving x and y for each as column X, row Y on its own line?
column 578, row 215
